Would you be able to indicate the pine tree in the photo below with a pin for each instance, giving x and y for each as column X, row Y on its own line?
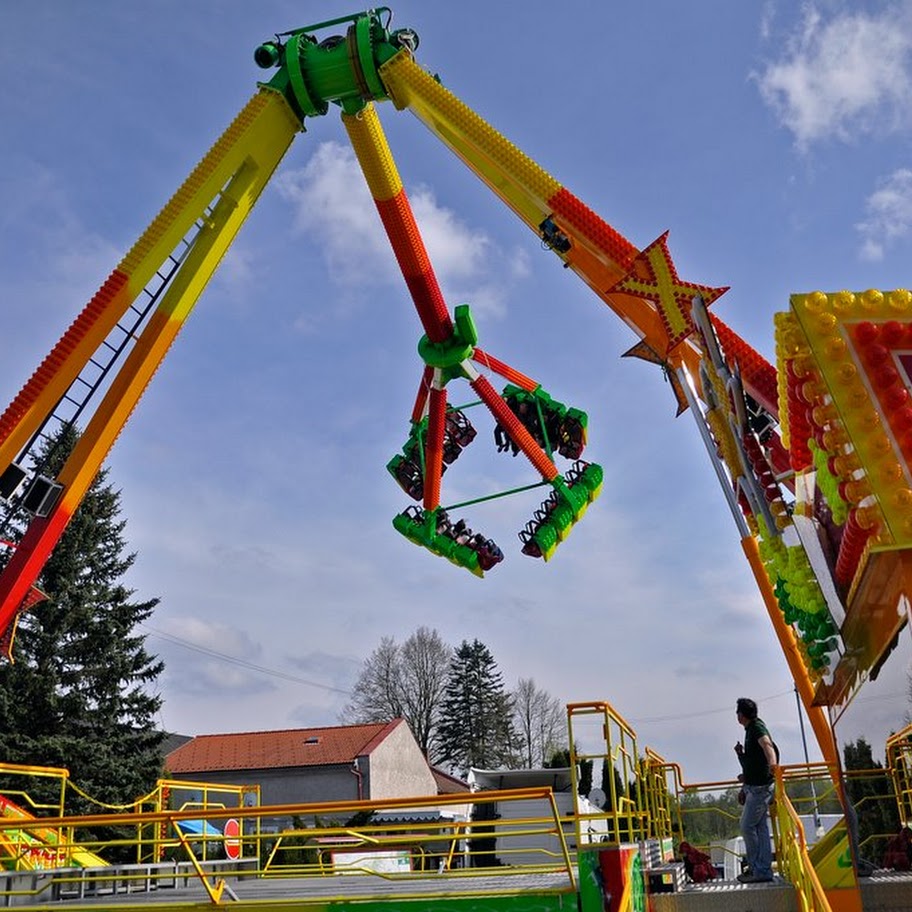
column 870, row 791
column 79, row 693
column 476, row 727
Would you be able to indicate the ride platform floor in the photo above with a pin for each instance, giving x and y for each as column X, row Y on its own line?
column 532, row 892
column 884, row 891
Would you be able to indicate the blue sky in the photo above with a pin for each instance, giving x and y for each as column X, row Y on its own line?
column 772, row 140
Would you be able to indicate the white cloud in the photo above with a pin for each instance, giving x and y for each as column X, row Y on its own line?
column 236, row 273
column 843, row 77
column 334, row 207
column 767, row 12
column 889, row 214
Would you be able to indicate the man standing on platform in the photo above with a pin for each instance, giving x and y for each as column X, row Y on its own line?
column 758, row 758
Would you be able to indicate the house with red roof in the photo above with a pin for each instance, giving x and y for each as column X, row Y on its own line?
column 375, row 760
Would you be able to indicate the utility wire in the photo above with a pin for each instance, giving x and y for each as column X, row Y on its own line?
column 285, row 676
column 233, row 660
column 712, row 712
column 704, row 712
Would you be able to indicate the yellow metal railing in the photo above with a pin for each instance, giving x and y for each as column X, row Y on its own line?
column 624, row 818
column 660, row 803
column 21, row 849
column 792, row 859
column 373, row 842
column 18, row 772
column 410, row 848
column 681, row 805
column 899, row 762
column 155, row 842
column 878, row 810
column 711, row 807
column 29, row 846
column 471, row 834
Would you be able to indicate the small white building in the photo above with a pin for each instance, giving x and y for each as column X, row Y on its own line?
column 534, row 847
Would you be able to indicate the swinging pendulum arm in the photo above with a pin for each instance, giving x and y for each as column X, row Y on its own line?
column 376, row 160
column 434, row 444
column 448, row 348
column 514, row 427
column 442, row 346
column 379, row 169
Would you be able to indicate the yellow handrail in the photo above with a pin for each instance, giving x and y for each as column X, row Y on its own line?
column 466, row 849
column 792, row 853
column 899, row 762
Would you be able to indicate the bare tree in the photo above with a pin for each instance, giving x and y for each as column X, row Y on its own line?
column 424, row 666
column 407, row 681
column 378, row 695
column 538, row 720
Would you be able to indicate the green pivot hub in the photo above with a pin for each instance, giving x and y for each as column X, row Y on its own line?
column 449, row 354
column 339, row 69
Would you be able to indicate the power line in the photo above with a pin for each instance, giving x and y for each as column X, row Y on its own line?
column 243, row 663
column 703, row 712
column 285, row 676
column 711, row 712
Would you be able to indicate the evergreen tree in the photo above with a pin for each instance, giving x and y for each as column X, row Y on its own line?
column 560, row 757
column 709, row 818
column 585, row 777
column 476, row 716
column 612, row 785
column 78, row 693
column 871, row 792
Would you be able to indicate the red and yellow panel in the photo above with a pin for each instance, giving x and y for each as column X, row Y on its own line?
column 845, row 363
column 854, row 355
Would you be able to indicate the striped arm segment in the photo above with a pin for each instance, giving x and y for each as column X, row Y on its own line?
column 217, row 196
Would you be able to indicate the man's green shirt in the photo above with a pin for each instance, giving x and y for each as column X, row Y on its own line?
column 754, row 764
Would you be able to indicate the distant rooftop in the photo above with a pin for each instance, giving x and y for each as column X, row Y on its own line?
column 281, row 749
column 558, row 778
column 447, row 784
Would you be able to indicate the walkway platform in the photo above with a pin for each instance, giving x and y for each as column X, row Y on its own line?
column 182, row 889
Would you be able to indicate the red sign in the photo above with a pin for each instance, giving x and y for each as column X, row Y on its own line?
column 232, row 835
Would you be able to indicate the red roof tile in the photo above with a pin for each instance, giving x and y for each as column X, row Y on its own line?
column 447, row 784
column 278, row 749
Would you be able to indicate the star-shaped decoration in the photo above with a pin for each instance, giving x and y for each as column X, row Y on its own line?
column 645, row 352
column 653, row 276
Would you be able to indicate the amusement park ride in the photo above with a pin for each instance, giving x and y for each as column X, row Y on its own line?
column 813, row 454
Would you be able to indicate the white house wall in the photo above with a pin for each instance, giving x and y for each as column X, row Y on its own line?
column 398, row 769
